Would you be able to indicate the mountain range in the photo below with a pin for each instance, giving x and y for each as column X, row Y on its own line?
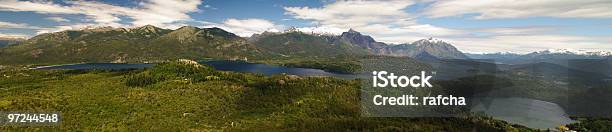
column 558, row 72
column 141, row 44
column 10, row 41
column 150, row 44
column 599, row 62
column 429, row 47
column 555, row 54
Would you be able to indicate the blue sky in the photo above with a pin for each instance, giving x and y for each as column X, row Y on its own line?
column 470, row 25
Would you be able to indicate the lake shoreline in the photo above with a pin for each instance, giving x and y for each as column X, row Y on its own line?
column 222, row 65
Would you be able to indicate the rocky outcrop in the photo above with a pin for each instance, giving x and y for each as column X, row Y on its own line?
column 360, row 40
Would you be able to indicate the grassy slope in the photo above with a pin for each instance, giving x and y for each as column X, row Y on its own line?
column 101, row 100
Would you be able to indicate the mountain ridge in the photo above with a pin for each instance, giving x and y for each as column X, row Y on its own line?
column 434, row 47
column 545, row 54
column 150, row 44
column 7, row 41
column 141, row 44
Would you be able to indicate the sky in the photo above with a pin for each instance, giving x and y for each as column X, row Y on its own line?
column 474, row 26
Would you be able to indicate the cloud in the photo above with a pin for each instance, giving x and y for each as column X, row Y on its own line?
column 57, row 19
column 355, row 13
column 527, row 39
column 525, row 30
column 39, row 7
column 386, row 21
column 73, row 26
column 13, row 36
column 10, row 25
column 62, row 28
column 433, row 30
column 247, row 27
column 159, row 12
column 154, row 12
column 209, row 7
column 491, row 9
column 530, row 43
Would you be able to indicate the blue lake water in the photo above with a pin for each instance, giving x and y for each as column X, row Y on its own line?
column 246, row 67
column 236, row 66
column 528, row 112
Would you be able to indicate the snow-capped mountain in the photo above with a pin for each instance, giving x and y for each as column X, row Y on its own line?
column 551, row 54
column 433, row 47
column 434, row 40
column 574, row 52
column 580, row 52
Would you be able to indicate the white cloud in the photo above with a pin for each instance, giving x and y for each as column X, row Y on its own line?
column 386, row 21
column 489, row 9
column 75, row 26
column 155, row 12
column 526, row 39
column 247, row 27
column 517, row 30
column 433, row 30
column 13, row 36
column 209, row 7
column 10, row 25
column 159, row 12
column 57, row 19
column 355, row 13
column 39, row 7
column 530, row 43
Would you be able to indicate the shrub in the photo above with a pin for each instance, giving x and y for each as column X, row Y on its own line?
column 143, row 79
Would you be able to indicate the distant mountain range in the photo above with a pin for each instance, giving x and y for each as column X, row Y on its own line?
column 429, row 48
column 10, row 41
column 545, row 54
column 425, row 47
column 558, row 72
column 588, row 61
column 573, row 52
column 298, row 44
column 151, row 44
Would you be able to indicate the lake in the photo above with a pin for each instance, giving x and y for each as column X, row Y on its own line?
column 528, row 112
column 223, row 65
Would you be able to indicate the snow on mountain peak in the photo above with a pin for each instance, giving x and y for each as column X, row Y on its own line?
column 506, row 53
column 576, row 52
column 434, row 40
